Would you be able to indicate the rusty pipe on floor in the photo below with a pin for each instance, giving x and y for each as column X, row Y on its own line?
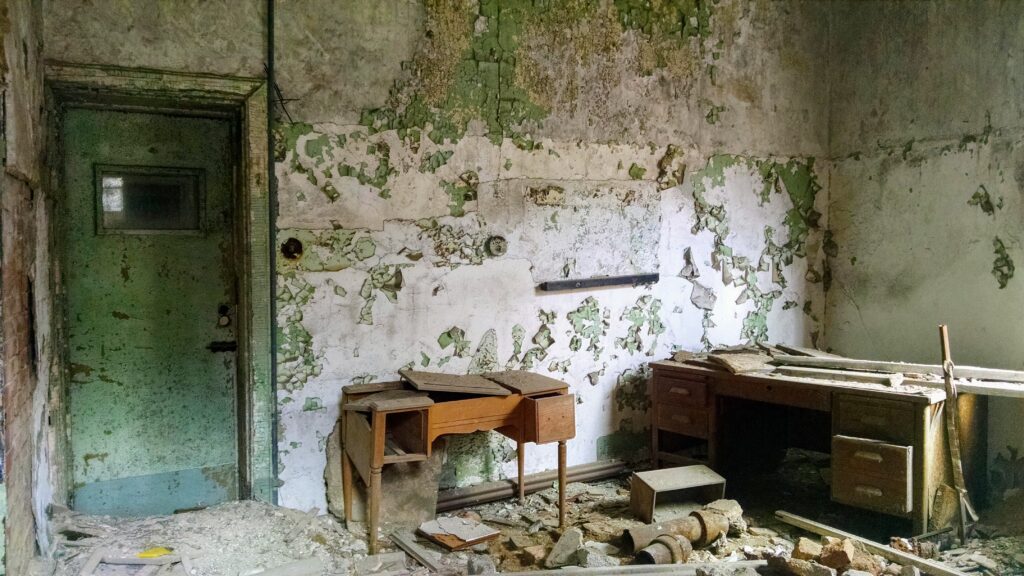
column 700, row 528
column 666, row 549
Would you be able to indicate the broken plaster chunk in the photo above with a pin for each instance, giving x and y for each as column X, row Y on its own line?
column 480, row 564
column 565, row 551
column 535, row 554
column 797, row 567
column 806, row 549
column 839, row 554
column 593, row 558
column 702, row 297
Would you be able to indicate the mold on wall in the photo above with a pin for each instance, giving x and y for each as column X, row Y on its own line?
column 926, row 180
column 577, row 133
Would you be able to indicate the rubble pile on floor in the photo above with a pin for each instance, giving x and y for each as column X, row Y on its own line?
column 237, row 538
column 603, row 532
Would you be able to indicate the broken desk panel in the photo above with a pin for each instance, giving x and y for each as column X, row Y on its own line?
column 654, row 488
column 410, row 424
column 452, row 383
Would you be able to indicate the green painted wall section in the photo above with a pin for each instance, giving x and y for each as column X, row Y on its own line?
column 152, row 411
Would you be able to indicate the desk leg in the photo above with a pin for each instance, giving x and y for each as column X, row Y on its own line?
column 521, row 457
column 714, row 422
column 373, row 512
column 561, row 484
column 346, row 485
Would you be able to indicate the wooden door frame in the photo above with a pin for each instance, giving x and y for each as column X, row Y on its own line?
column 243, row 100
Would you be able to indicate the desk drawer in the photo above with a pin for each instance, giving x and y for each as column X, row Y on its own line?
column 872, row 474
column 549, row 418
column 876, row 418
column 683, row 420
column 680, row 392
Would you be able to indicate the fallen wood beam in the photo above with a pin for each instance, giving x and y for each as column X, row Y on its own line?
column 643, row 569
column 905, row 368
column 1000, row 389
column 406, row 541
column 801, row 351
column 885, row 379
column 887, row 552
column 490, row 491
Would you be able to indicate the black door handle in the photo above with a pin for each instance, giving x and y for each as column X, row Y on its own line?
column 229, row 346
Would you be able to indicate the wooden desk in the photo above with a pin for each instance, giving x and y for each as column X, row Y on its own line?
column 535, row 410
column 889, row 451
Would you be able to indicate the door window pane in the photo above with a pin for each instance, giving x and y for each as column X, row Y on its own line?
column 138, row 199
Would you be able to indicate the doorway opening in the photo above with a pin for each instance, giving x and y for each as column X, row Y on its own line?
column 162, row 230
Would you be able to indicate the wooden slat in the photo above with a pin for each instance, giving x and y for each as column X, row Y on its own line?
column 453, row 383
column 891, row 554
column 743, row 363
column 998, row 389
column 891, row 379
column 801, row 351
column 526, row 383
column 390, row 400
column 371, row 387
column 905, row 368
column 407, row 542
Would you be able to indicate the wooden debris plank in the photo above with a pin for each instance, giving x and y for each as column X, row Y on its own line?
column 406, row 541
column 371, row 387
column 890, row 379
column 390, row 400
column 743, row 363
column 801, row 351
column 300, row 526
column 643, row 569
column 887, row 552
column 981, row 388
column 526, row 383
column 453, row 383
column 904, row 368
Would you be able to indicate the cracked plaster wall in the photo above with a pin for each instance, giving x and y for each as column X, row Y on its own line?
column 926, row 122
column 596, row 136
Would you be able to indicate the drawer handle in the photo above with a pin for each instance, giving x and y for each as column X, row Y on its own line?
column 680, row 390
column 872, row 456
column 868, row 491
column 681, row 418
column 874, row 420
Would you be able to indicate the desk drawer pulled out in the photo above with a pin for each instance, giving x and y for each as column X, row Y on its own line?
column 872, row 474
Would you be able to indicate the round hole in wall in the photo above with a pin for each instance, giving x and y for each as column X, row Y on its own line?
column 292, row 249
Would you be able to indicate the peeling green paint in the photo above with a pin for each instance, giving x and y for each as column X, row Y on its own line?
column 671, row 19
column 327, row 250
column 549, row 195
column 385, row 279
column 983, row 200
column 623, row 445
column 312, row 404
column 454, row 246
column 436, row 160
column 646, row 311
column 591, row 323
column 296, row 360
column 485, row 359
column 636, row 172
column 454, row 337
column 1002, row 266
column 460, row 192
column 671, row 170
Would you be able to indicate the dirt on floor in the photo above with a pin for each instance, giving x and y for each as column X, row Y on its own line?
column 250, row 538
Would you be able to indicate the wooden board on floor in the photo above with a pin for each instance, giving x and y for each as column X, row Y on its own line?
column 453, row 383
column 526, row 383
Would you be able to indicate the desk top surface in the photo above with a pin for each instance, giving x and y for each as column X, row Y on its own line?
column 917, row 394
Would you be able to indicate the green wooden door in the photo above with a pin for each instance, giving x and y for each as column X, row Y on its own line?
column 149, row 276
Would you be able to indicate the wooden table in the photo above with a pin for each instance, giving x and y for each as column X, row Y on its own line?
column 403, row 427
column 888, row 446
